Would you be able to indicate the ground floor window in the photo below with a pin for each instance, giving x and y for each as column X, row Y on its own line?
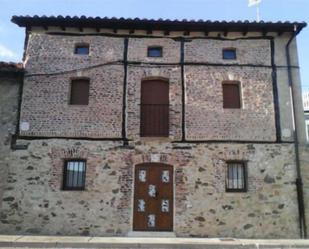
column 74, row 175
column 236, row 177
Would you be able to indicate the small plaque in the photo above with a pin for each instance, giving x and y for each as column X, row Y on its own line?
column 24, row 126
column 155, row 158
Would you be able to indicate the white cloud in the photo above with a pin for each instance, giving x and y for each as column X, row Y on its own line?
column 6, row 53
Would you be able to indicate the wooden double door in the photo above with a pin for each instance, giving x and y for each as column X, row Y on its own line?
column 153, row 197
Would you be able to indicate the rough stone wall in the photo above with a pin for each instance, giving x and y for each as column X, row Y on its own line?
column 304, row 163
column 269, row 206
column 34, row 202
column 9, row 96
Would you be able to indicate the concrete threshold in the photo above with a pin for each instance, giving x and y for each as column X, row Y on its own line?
column 11, row 241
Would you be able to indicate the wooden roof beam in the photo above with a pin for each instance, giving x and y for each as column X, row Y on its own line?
column 166, row 32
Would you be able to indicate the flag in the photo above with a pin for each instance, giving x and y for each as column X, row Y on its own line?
column 253, row 2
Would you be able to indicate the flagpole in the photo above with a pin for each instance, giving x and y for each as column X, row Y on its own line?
column 258, row 13
column 257, row 4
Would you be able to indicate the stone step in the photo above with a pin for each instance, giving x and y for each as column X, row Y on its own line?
column 7, row 241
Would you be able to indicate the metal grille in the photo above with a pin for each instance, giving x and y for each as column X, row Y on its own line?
column 155, row 120
column 74, row 175
column 236, row 177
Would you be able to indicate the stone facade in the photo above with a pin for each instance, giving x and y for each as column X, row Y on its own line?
column 34, row 201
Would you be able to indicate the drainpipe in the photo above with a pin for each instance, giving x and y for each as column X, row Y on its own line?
column 299, row 182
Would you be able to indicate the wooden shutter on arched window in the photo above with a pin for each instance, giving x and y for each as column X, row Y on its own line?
column 154, row 108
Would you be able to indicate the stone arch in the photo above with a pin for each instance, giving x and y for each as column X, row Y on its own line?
column 151, row 78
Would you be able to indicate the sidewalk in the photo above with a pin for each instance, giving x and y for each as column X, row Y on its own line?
column 8, row 241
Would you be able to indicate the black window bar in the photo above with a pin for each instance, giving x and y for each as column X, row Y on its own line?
column 74, row 175
column 236, row 177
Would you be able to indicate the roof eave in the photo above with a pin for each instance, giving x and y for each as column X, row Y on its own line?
column 165, row 25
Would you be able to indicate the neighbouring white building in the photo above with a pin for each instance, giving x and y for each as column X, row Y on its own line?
column 306, row 112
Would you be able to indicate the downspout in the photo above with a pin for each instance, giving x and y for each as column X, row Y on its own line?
column 124, row 96
column 20, row 93
column 183, row 90
column 299, row 182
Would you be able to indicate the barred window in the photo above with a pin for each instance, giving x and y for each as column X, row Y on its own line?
column 74, row 175
column 236, row 177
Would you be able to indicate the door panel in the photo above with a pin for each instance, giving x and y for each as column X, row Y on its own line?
column 153, row 197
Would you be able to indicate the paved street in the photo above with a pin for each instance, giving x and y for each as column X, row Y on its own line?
column 7, row 241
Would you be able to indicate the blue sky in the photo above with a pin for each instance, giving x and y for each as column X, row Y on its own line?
column 12, row 37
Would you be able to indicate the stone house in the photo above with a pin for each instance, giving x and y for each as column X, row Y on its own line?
column 138, row 127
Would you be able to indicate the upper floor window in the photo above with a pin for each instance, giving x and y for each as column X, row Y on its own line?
column 74, row 175
column 79, row 92
column 229, row 54
column 154, row 108
column 82, row 49
column 231, row 94
column 236, row 177
column 155, row 52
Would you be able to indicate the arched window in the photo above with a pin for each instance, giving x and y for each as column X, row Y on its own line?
column 155, row 108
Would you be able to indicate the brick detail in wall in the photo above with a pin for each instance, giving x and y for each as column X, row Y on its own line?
column 206, row 119
column 135, row 77
column 137, row 50
column 55, row 53
column 47, row 111
column 58, row 157
column 256, row 52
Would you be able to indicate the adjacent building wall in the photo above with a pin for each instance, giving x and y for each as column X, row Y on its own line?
column 10, row 83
